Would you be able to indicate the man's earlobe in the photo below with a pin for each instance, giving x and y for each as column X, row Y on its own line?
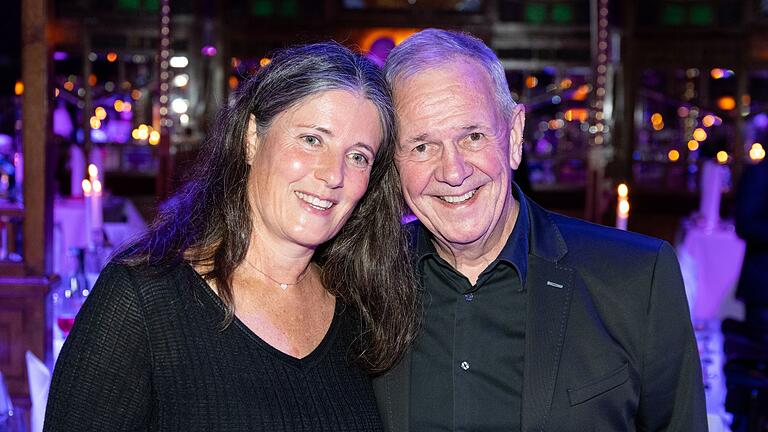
column 516, row 128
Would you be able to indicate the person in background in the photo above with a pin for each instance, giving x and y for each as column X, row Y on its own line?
column 533, row 321
column 275, row 283
column 752, row 226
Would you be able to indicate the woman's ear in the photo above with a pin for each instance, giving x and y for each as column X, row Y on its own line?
column 251, row 140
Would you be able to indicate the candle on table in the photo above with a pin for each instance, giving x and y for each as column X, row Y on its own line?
column 88, row 192
column 96, row 202
column 96, row 207
column 622, row 207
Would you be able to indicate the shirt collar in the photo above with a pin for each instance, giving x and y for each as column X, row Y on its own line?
column 515, row 250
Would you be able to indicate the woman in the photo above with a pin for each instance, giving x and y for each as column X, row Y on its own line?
column 263, row 297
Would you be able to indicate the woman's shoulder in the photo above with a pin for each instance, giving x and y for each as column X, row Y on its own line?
column 141, row 279
column 142, row 271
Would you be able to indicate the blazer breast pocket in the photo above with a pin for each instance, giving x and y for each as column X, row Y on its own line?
column 599, row 385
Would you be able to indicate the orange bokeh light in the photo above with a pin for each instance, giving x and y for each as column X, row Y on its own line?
column 726, row 103
column 398, row 35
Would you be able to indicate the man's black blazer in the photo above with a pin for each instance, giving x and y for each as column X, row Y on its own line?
column 609, row 344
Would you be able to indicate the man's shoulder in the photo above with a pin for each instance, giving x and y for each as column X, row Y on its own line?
column 579, row 234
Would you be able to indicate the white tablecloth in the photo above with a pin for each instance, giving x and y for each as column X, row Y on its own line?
column 711, row 262
column 69, row 228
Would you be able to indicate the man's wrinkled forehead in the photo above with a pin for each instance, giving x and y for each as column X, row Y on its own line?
column 448, row 63
column 445, row 90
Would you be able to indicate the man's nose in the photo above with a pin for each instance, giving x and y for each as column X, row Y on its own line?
column 453, row 168
column 330, row 170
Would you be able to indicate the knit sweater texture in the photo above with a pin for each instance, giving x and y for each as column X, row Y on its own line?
column 147, row 353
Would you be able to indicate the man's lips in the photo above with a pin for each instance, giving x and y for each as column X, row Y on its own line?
column 458, row 199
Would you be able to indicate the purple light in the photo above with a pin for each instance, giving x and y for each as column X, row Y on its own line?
column 761, row 121
column 60, row 55
column 208, row 51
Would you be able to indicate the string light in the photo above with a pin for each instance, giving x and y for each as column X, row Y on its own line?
column 726, row 103
column 722, row 157
column 757, row 152
column 699, row 134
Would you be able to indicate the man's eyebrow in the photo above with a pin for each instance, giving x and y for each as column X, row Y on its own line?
column 318, row 128
column 472, row 127
column 418, row 138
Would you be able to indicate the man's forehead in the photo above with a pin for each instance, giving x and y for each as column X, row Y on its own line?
column 466, row 71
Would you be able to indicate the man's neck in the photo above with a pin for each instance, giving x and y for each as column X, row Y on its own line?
column 471, row 259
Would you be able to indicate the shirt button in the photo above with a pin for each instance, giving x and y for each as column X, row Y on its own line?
column 469, row 297
column 465, row 365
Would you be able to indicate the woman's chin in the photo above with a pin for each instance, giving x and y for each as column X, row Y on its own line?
column 312, row 240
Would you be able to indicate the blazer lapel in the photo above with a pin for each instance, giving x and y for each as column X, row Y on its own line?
column 549, row 298
column 550, row 286
column 392, row 396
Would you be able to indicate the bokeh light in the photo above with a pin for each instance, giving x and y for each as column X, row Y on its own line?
column 673, row 155
column 722, row 157
column 699, row 134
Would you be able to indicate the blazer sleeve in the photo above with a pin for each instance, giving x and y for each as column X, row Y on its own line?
column 672, row 393
column 101, row 381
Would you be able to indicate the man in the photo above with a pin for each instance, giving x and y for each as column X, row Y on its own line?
column 533, row 321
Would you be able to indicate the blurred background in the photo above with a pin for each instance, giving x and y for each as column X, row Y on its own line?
column 642, row 115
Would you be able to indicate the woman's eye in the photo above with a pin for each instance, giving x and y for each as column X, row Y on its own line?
column 475, row 136
column 359, row 160
column 421, row 148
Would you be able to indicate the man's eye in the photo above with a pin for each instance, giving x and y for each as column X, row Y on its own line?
column 475, row 136
column 421, row 148
column 311, row 140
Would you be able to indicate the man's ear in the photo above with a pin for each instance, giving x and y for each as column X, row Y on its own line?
column 516, row 127
column 251, row 140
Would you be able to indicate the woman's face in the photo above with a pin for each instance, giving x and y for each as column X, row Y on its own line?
column 312, row 167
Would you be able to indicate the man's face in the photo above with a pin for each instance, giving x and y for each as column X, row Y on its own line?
column 456, row 152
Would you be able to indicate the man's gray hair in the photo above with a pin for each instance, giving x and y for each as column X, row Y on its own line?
column 435, row 47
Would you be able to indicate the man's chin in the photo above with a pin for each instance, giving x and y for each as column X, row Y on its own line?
column 460, row 239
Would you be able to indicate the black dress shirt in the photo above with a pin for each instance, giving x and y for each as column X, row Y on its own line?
column 467, row 363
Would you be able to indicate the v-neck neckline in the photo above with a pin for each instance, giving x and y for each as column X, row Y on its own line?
column 304, row 362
